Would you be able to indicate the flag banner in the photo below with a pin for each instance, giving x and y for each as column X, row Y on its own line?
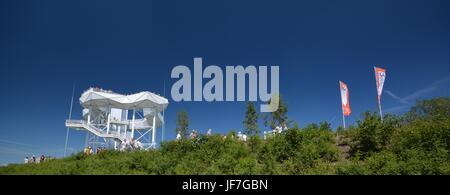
column 345, row 99
column 380, row 75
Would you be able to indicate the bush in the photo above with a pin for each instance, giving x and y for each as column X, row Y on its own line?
column 417, row 143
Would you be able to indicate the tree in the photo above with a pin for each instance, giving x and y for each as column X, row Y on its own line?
column 279, row 117
column 436, row 108
column 340, row 129
column 365, row 135
column 251, row 120
column 182, row 123
column 427, row 126
column 325, row 126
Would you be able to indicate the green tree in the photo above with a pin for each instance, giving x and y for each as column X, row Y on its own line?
column 398, row 145
column 427, row 126
column 251, row 120
column 279, row 117
column 182, row 123
column 365, row 135
column 436, row 108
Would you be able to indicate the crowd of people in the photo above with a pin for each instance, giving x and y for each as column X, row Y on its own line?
column 278, row 129
column 136, row 145
column 33, row 159
column 88, row 150
column 124, row 146
column 130, row 145
column 101, row 90
column 194, row 135
column 241, row 136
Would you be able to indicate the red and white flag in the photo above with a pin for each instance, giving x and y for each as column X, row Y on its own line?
column 380, row 76
column 345, row 99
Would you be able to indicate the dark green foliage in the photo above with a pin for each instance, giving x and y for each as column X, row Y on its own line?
column 182, row 124
column 365, row 136
column 279, row 117
column 292, row 152
column 371, row 135
column 437, row 108
column 251, row 120
column 415, row 143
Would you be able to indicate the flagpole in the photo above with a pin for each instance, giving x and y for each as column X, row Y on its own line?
column 343, row 118
column 70, row 116
column 379, row 107
column 164, row 122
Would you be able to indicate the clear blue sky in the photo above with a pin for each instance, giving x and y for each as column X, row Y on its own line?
column 131, row 46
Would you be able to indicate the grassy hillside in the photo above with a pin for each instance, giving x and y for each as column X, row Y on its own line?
column 415, row 143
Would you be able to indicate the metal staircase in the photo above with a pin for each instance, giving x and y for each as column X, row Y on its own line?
column 81, row 124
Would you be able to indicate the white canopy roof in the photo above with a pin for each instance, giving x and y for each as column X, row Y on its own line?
column 101, row 98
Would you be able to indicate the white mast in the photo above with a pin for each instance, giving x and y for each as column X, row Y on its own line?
column 70, row 116
column 164, row 119
column 379, row 107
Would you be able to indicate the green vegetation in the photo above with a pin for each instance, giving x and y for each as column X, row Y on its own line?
column 251, row 120
column 279, row 117
column 417, row 142
column 182, row 124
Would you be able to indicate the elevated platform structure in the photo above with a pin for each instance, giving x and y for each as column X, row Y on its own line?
column 107, row 122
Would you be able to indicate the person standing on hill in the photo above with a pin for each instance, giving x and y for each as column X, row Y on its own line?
column 178, row 136
column 86, row 151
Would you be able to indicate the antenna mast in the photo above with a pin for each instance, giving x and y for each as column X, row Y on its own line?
column 70, row 116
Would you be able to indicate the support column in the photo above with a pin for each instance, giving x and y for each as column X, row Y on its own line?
column 154, row 131
column 126, row 130
column 89, row 118
column 132, row 123
column 108, row 123
column 86, row 140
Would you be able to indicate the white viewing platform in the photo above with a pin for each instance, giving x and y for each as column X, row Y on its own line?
column 107, row 122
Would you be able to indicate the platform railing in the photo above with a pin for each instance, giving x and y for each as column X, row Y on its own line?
column 83, row 124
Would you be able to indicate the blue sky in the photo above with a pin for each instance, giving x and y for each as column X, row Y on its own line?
column 131, row 46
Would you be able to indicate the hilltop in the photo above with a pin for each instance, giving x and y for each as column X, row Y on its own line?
column 417, row 142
